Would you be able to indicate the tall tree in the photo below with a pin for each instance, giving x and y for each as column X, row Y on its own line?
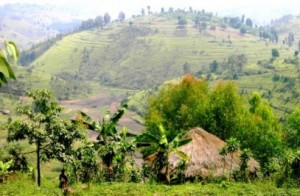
column 179, row 106
column 292, row 129
column 106, row 18
column 41, row 125
column 226, row 107
column 9, row 55
column 143, row 12
column 249, row 22
column 121, row 16
column 149, row 9
column 98, row 21
column 262, row 126
column 275, row 53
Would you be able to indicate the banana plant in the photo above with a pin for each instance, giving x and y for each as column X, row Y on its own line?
column 9, row 55
column 106, row 128
column 4, row 169
column 162, row 147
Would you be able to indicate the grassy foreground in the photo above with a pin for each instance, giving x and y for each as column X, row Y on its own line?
column 22, row 185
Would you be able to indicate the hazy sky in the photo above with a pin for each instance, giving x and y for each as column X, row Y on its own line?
column 257, row 9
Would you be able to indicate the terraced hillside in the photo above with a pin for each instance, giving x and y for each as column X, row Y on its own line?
column 149, row 52
column 144, row 52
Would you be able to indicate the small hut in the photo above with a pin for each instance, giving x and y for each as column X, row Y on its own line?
column 205, row 159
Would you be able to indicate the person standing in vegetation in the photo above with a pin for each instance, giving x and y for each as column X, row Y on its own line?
column 63, row 179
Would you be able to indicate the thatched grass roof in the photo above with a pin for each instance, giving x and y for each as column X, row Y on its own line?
column 205, row 161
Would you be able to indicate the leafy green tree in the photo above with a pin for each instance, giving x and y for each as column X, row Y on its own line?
column 197, row 20
column 179, row 106
column 181, row 22
column 143, row 12
column 9, row 55
column 98, row 21
column 121, row 16
column 213, row 66
column 106, row 18
column 261, row 131
column 149, row 9
column 161, row 146
column 292, row 129
column 243, row 30
column 249, row 22
column 226, row 108
column 42, row 126
column 221, row 111
column 83, row 166
column 275, row 53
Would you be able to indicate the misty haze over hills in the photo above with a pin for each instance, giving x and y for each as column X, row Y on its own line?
column 261, row 12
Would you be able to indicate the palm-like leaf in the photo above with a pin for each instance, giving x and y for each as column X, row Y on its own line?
column 107, row 127
column 182, row 155
column 162, row 147
column 8, row 56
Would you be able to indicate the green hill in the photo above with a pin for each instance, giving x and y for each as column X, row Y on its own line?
column 145, row 51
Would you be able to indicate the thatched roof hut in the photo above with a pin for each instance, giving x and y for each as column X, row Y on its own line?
column 205, row 159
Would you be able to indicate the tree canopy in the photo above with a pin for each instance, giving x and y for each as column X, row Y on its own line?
column 42, row 126
column 220, row 110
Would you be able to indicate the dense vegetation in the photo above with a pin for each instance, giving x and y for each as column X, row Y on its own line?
column 208, row 96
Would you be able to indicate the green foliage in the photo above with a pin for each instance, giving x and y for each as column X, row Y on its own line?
column 106, row 128
column 244, row 158
column 4, row 170
column 66, row 85
column 22, row 185
column 179, row 176
column 292, row 129
column 264, row 130
column 243, row 30
column 112, row 146
column 221, row 111
column 232, row 146
column 227, row 109
column 8, row 56
column 42, row 126
column 181, row 22
column 176, row 106
column 275, row 53
column 83, row 167
column 289, row 174
column 161, row 146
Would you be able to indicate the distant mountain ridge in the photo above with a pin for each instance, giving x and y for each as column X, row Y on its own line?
column 28, row 24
